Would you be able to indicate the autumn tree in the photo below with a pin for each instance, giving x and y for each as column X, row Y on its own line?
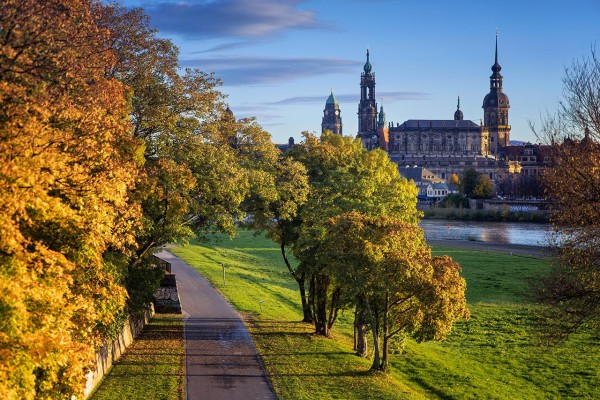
column 454, row 179
column 203, row 168
column 484, row 189
column 67, row 164
column 386, row 267
column 475, row 185
column 343, row 177
column 572, row 183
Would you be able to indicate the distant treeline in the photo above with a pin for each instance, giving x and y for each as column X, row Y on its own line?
column 485, row 215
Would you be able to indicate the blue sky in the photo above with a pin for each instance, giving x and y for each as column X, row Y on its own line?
column 279, row 59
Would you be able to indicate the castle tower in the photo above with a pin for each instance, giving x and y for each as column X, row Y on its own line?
column 332, row 120
column 495, row 110
column 367, row 108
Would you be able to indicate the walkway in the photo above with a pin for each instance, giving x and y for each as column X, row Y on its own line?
column 221, row 360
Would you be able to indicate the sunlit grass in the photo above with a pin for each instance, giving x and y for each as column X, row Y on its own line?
column 495, row 355
column 153, row 366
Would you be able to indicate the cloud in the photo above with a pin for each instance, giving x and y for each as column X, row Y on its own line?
column 224, row 46
column 385, row 97
column 231, row 18
column 258, row 70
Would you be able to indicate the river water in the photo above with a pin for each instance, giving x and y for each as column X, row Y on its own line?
column 496, row 232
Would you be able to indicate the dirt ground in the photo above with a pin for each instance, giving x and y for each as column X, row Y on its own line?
column 515, row 249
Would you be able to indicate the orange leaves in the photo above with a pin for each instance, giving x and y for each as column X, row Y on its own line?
column 65, row 172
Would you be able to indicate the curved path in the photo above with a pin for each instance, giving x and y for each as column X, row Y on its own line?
column 221, row 360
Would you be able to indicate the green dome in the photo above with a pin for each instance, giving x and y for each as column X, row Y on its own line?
column 331, row 99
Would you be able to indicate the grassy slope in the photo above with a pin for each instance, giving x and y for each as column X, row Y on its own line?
column 494, row 355
column 152, row 367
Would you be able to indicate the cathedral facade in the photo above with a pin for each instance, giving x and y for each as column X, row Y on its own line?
column 444, row 146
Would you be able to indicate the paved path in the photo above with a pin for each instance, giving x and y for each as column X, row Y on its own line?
column 221, row 360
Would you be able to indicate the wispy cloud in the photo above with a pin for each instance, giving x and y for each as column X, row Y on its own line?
column 386, row 97
column 258, row 70
column 231, row 18
column 224, row 46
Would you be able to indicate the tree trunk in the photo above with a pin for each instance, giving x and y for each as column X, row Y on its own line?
column 307, row 315
column 321, row 285
column 386, row 338
column 301, row 280
column 374, row 329
column 360, row 331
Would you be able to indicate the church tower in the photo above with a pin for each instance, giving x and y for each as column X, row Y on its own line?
column 495, row 110
column 383, row 131
column 367, row 108
column 332, row 120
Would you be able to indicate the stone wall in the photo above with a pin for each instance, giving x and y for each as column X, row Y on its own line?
column 110, row 352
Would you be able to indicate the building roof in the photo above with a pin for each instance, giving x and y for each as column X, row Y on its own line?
column 438, row 124
column 331, row 99
column 419, row 174
column 440, row 186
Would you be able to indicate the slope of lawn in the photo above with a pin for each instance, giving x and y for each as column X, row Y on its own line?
column 495, row 355
column 152, row 368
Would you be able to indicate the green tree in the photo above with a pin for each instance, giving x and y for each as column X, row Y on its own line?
column 572, row 184
column 343, row 176
column 484, row 189
column 203, row 169
column 385, row 265
column 468, row 181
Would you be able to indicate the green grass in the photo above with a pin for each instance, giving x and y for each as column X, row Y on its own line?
column 152, row 368
column 495, row 355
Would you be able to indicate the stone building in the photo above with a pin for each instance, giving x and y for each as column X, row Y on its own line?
column 444, row 146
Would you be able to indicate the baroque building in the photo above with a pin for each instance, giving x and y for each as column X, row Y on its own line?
column 444, row 146
column 332, row 119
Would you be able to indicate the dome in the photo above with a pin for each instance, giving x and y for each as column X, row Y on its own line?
column 458, row 115
column 331, row 99
column 495, row 99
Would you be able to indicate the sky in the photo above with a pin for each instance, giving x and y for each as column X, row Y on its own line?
column 279, row 59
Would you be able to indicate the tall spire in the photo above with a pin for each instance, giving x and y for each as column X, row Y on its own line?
column 496, row 59
column 458, row 105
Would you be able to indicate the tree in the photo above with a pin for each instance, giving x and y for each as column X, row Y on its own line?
column 279, row 218
column 454, row 179
column 468, row 181
column 343, row 176
column 572, row 291
column 203, row 169
column 484, row 189
column 385, row 266
column 67, row 163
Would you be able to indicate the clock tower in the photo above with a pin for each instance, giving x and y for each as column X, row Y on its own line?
column 495, row 110
column 367, row 108
column 332, row 120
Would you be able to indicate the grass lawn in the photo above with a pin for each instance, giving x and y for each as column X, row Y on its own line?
column 495, row 355
column 152, row 368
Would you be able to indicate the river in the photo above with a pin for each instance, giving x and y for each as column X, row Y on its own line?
column 493, row 232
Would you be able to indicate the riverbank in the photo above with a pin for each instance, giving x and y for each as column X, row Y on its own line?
column 467, row 214
column 511, row 249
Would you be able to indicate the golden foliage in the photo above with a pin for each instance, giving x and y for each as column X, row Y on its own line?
column 65, row 169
